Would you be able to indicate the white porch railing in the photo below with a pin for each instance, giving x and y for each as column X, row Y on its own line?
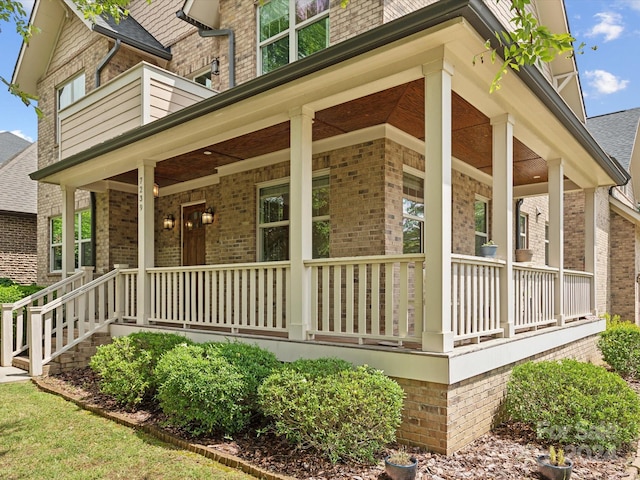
column 475, row 297
column 534, row 296
column 251, row 296
column 66, row 321
column 128, row 288
column 376, row 297
column 14, row 315
column 577, row 294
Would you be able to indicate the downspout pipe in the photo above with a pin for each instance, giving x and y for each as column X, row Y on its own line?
column 106, row 60
column 206, row 33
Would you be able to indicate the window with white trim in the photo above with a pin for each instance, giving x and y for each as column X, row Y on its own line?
column 66, row 94
column 203, row 77
column 412, row 213
column 289, row 30
column 523, row 231
column 481, row 215
column 273, row 220
column 82, row 240
column 546, row 243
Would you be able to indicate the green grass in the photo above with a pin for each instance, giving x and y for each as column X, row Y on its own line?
column 44, row 436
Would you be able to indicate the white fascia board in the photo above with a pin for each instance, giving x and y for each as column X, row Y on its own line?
column 624, row 210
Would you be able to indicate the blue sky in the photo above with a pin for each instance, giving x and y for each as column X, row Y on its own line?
column 610, row 76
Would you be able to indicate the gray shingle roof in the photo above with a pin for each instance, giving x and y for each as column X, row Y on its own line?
column 11, row 145
column 131, row 33
column 616, row 133
column 18, row 193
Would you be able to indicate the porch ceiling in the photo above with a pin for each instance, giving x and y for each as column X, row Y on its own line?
column 401, row 106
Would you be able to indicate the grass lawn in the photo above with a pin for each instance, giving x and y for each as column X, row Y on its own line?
column 43, row 436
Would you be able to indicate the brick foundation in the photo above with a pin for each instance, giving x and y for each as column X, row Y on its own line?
column 445, row 418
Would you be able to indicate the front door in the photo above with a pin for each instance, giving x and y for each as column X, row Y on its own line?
column 193, row 239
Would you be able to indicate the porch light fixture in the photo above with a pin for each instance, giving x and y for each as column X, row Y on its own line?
column 215, row 66
column 207, row 216
column 169, row 222
column 156, row 190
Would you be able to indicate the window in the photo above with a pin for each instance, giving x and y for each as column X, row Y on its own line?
column 68, row 93
column 546, row 243
column 289, row 30
column 273, row 224
column 203, row 78
column 523, row 231
column 481, row 212
column 82, row 240
column 412, row 214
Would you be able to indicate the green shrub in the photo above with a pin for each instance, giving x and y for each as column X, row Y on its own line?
column 253, row 362
column 201, row 391
column 620, row 347
column 10, row 294
column 574, row 403
column 350, row 414
column 126, row 366
column 320, row 367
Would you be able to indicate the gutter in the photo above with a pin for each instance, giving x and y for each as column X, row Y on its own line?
column 473, row 11
column 158, row 52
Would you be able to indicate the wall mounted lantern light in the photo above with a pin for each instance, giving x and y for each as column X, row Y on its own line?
column 169, row 222
column 208, row 216
column 156, row 190
column 215, row 66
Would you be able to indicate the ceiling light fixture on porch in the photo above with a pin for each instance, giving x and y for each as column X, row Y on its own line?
column 208, row 216
column 169, row 222
column 156, row 190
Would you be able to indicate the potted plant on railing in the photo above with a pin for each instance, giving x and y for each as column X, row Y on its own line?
column 401, row 466
column 488, row 249
column 524, row 255
column 555, row 466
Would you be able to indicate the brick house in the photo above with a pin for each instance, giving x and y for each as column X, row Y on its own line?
column 240, row 194
column 18, row 209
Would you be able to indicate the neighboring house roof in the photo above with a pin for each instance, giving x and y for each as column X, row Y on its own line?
column 49, row 16
column 616, row 133
column 11, row 145
column 18, row 193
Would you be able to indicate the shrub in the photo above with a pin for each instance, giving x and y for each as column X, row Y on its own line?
column 574, row 403
column 201, row 391
column 253, row 362
column 620, row 347
column 10, row 294
column 320, row 367
column 350, row 414
column 126, row 366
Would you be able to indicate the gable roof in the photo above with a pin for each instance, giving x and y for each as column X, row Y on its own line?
column 18, row 193
column 11, row 145
column 49, row 17
column 617, row 133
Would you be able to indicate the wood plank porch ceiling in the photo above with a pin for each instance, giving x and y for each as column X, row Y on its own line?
column 401, row 106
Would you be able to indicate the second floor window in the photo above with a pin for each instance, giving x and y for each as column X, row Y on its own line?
column 68, row 93
column 289, row 30
column 82, row 240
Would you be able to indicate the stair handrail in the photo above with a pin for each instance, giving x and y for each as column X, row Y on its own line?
column 51, row 288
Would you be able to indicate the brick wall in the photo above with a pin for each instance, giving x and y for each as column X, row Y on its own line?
column 574, row 230
column 623, row 267
column 446, row 418
column 464, row 191
column 18, row 247
column 537, row 211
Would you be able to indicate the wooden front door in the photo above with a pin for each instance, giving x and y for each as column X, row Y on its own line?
column 193, row 235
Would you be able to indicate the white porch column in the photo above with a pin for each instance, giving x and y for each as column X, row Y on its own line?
column 68, row 230
column 300, row 214
column 556, row 231
column 502, row 218
column 590, row 241
column 145, row 238
column 438, row 334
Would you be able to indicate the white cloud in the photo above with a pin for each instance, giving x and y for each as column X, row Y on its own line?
column 605, row 82
column 635, row 4
column 610, row 26
column 18, row 133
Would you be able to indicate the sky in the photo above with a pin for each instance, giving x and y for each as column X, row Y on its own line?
column 609, row 76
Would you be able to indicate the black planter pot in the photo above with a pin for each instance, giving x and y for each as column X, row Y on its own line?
column 401, row 472
column 553, row 472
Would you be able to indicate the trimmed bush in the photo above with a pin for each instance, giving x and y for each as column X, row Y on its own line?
column 253, row 362
column 126, row 366
column 201, row 391
column 350, row 414
column 620, row 347
column 320, row 367
column 10, row 294
column 576, row 403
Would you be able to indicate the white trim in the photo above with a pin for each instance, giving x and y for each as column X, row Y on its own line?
column 413, row 171
column 196, row 183
column 624, row 211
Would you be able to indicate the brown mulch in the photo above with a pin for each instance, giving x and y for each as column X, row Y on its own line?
column 508, row 452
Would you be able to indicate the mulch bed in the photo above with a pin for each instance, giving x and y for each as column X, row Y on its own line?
column 508, row 452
